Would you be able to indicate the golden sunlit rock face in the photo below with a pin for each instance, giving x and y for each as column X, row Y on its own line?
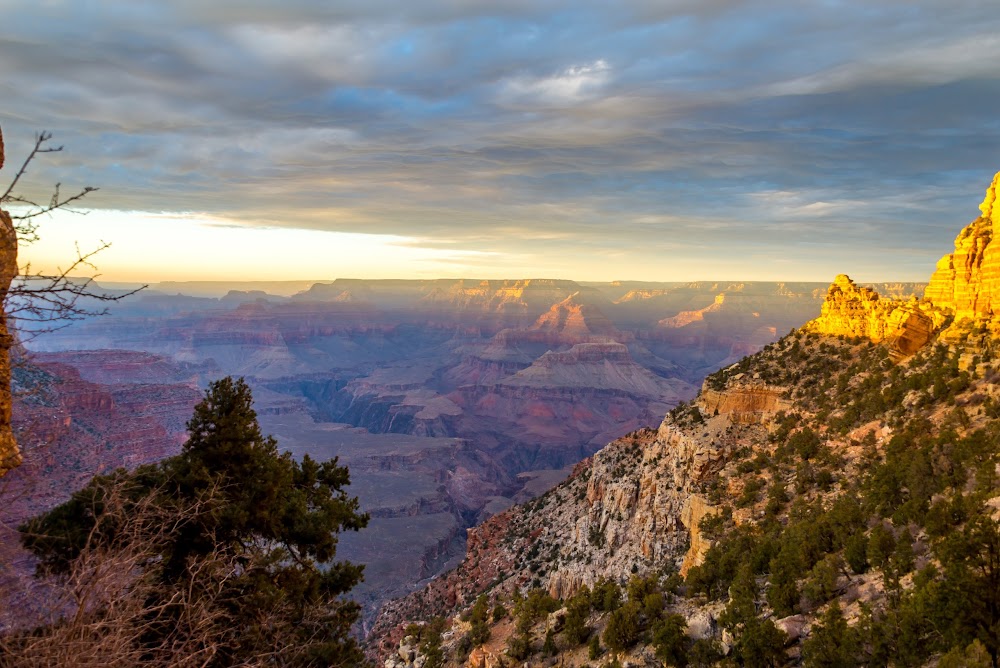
column 9, row 456
column 963, row 293
column 850, row 310
column 968, row 280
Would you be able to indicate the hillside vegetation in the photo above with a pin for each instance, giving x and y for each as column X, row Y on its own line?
column 829, row 501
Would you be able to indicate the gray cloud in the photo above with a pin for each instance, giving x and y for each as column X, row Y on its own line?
column 727, row 131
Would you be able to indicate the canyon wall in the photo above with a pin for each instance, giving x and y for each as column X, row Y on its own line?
column 967, row 281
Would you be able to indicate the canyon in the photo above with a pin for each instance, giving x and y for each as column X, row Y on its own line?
column 783, row 461
column 450, row 400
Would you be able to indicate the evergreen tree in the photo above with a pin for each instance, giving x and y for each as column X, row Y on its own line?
column 623, row 629
column 670, row 640
column 275, row 518
column 577, row 609
column 758, row 641
column 832, row 644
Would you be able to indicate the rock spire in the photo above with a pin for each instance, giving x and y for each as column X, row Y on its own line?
column 9, row 456
column 967, row 281
column 963, row 293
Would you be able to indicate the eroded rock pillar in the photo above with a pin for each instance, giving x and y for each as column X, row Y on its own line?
column 9, row 456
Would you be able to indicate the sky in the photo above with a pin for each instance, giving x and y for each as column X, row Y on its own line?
column 648, row 140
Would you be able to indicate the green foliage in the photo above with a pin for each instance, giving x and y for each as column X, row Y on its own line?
column 532, row 607
column 278, row 517
column 805, row 443
column 856, row 552
column 751, row 492
column 430, row 643
column 499, row 612
column 832, row 643
column 704, row 652
column 577, row 609
column 758, row 641
column 881, row 545
column 623, row 629
column 973, row 656
column 669, row 640
column 606, row 595
column 519, row 646
column 821, row 583
column 714, row 575
column 479, row 632
column 640, row 587
column 713, row 525
column 969, row 594
column 549, row 646
column 594, row 650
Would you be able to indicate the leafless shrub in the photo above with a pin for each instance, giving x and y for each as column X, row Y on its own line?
column 37, row 303
column 111, row 598
column 112, row 608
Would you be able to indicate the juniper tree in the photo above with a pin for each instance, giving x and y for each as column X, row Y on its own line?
column 273, row 519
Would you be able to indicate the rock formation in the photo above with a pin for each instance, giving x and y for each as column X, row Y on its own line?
column 9, row 456
column 968, row 280
column 963, row 294
column 853, row 311
column 576, row 319
column 745, row 402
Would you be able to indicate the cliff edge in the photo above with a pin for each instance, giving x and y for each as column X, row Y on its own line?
column 967, row 281
column 962, row 297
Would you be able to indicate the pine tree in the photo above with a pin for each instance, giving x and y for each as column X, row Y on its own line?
column 832, row 644
column 238, row 502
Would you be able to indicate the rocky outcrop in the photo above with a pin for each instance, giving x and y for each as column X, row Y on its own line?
column 854, row 311
column 9, row 455
column 745, row 402
column 635, row 505
column 696, row 508
column 967, row 281
column 685, row 318
column 576, row 319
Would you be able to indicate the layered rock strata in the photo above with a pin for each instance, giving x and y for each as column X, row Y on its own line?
column 746, row 402
column 854, row 311
column 967, row 281
column 636, row 504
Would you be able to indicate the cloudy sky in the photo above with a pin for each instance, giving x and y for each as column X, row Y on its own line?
column 666, row 140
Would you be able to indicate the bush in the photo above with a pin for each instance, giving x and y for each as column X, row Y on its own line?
column 623, row 628
column 594, row 650
column 669, row 640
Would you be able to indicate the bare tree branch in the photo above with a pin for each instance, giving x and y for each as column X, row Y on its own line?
column 39, row 303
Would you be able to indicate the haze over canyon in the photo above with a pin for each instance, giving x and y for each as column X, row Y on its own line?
column 449, row 400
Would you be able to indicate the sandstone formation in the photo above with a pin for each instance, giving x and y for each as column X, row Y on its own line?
column 746, row 402
column 853, row 311
column 967, row 281
column 963, row 295
column 9, row 455
column 576, row 319
column 696, row 508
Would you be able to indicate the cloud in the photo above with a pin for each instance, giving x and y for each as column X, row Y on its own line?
column 572, row 86
column 526, row 128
